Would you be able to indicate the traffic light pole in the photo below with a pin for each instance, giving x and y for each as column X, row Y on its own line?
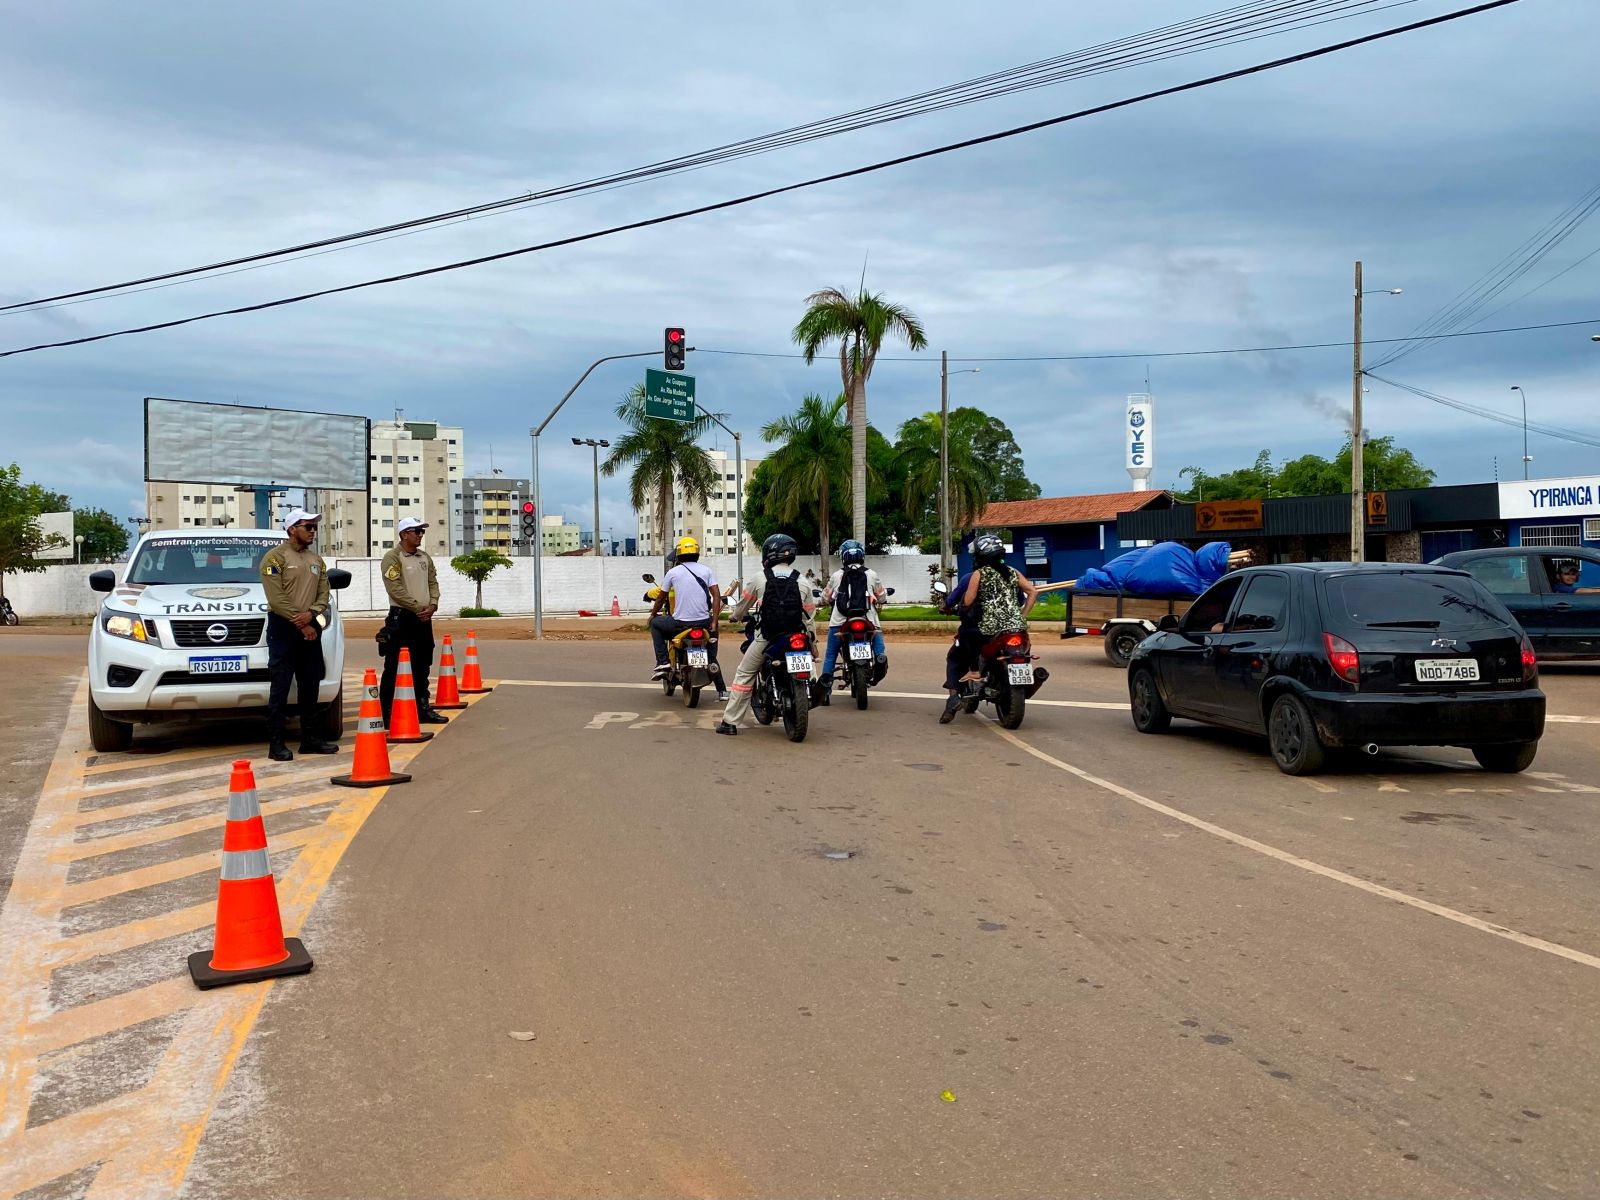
column 538, row 498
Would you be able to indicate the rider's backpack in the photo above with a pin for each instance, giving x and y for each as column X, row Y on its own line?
column 781, row 610
column 852, row 599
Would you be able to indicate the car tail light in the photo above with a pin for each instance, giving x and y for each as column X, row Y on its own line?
column 1343, row 658
column 797, row 641
column 1530, row 662
column 696, row 635
column 858, row 626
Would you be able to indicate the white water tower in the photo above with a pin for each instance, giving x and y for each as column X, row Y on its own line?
column 1137, row 426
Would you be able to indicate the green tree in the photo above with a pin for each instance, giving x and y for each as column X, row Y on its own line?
column 20, row 536
column 1387, row 467
column 972, row 478
column 478, row 565
column 860, row 324
column 104, row 537
column 996, row 445
column 663, row 454
column 886, row 522
column 811, row 464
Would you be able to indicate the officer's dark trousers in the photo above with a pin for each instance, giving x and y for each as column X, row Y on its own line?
column 292, row 659
column 408, row 632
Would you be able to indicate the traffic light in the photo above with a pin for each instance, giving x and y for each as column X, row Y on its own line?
column 530, row 522
column 675, row 348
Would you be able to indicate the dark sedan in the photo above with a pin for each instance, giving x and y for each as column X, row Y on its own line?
column 1324, row 656
column 1552, row 591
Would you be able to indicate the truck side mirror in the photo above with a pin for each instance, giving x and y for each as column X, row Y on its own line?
column 338, row 579
column 103, row 581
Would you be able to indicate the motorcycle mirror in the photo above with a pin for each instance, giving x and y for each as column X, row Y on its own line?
column 647, row 577
column 888, row 591
column 940, row 588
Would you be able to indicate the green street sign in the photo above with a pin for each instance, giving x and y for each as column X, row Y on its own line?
column 668, row 395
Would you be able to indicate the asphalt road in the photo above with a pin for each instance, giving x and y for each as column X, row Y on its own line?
column 1075, row 961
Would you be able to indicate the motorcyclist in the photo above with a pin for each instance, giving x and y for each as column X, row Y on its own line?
column 854, row 591
column 792, row 603
column 986, row 599
column 696, row 601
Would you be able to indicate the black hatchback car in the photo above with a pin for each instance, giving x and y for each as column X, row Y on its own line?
column 1552, row 591
column 1324, row 656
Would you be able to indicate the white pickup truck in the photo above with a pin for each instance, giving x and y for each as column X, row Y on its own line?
column 184, row 634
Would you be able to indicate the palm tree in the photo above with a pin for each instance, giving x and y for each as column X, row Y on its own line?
column 812, row 460
column 662, row 454
column 972, row 478
column 859, row 323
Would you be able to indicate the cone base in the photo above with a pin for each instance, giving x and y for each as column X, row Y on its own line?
column 381, row 781
column 448, row 707
column 206, row 976
column 473, row 692
column 406, row 741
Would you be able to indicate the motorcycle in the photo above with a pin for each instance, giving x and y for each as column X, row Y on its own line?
column 783, row 689
column 1008, row 677
column 689, row 664
column 857, row 671
column 8, row 615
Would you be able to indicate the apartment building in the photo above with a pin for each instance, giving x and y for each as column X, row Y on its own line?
column 489, row 514
column 416, row 470
column 199, row 506
column 714, row 526
column 558, row 535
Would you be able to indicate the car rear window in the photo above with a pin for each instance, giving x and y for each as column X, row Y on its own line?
column 1422, row 600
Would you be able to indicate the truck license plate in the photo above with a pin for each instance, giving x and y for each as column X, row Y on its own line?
column 860, row 651
column 699, row 658
column 1447, row 670
column 216, row 666
column 799, row 664
column 1020, row 672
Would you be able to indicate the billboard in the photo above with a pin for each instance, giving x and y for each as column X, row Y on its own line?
column 1137, row 426
column 57, row 530
column 194, row 442
column 1530, row 499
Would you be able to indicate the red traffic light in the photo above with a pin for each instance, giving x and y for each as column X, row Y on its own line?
column 674, row 335
column 527, row 506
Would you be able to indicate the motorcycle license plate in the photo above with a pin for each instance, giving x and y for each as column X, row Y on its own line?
column 1020, row 672
column 699, row 658
column 799, row 664
column 1447, row 670
column 860, row 651
column 216, row 666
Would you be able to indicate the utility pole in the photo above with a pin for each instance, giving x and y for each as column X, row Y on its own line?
column 944, row 466
column 1526, row 460
column 1358, row 509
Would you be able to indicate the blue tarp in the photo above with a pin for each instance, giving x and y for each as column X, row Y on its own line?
column 1165, row 569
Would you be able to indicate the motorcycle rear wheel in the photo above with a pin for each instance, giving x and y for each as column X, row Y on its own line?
column 860, row 681
column 797, row 708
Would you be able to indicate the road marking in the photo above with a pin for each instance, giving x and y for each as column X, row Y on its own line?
column 1305, row 864
column 1389, row 785
column 143, row 1139
column 1317, row 785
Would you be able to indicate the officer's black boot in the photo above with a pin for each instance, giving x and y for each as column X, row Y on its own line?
column 279, row 751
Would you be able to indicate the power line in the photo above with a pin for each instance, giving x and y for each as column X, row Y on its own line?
column 700, row 210
column 1490, row 414
column 1244, row 22
column 1025, row 358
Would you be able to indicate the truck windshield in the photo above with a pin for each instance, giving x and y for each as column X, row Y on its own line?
column 201, row 559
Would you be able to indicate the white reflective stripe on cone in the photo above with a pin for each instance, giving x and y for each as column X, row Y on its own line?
column 245, row 864
column 369, row 724
column 447, row 669
column 243, row 805
column 405, row 693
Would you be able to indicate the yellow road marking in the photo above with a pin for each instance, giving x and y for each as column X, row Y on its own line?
column 156, row 834
column 87, row 820
column 85, row 1021
column 122, row 937
column 168, row 872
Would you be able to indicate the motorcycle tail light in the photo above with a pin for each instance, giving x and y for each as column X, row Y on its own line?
column 1530, row 661
column 858, row 626
column 1343, row 658
column 797, row 641
column 697, row 635
column 1014, row 641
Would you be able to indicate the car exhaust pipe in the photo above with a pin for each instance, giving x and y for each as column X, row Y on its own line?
column 1370, row 749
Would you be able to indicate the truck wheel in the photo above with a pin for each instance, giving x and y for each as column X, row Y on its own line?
column 330, row 721
column 1506, row 760
column 105, row 735
column 1120, row 643
column 1292, row 735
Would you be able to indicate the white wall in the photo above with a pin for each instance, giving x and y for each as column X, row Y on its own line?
column 569, row 584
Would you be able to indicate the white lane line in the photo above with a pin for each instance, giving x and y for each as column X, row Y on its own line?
column 1305, row 864
column 1119, row 706
column 1569, row 720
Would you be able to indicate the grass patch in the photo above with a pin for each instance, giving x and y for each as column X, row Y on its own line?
column 469, row 611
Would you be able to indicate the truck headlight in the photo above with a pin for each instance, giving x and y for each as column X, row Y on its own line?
column 123, row 626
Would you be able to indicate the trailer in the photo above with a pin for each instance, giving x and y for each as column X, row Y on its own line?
column 1123, row 620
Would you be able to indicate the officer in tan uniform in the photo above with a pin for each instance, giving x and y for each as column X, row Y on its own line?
column 413, row 586
column 296, row 582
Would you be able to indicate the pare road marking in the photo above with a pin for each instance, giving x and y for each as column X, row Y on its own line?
column 1305, row 864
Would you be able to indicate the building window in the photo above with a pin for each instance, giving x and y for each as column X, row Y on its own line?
column 385, row 458
column 1552, row 535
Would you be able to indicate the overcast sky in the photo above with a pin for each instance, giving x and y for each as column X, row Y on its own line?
column 142, row 138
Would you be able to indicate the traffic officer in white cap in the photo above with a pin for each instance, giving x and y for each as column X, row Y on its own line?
column 413, row 586
column 296, row 582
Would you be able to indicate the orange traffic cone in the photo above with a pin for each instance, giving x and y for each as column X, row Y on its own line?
column 371, row 768
column 404, row 725
column 471, row 679
column 249, row 942
column 616, row 607
column 445, row 693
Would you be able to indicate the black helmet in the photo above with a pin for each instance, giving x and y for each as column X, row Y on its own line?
column 779, row 548
column 852, row 554
column 988, row 550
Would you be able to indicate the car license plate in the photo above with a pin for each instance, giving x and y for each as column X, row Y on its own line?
column 216, row 666
column 860, row 650
column 1447, row 670
column 799, row 664
column 1020, row 672
column 699, row 658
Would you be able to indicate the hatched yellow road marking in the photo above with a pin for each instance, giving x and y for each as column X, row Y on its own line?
column 144, row 1139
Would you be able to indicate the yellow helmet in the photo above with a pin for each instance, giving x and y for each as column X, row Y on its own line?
column 687, row 545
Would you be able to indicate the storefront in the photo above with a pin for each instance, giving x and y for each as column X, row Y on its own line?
column 1061, row 537
column 1552, row 512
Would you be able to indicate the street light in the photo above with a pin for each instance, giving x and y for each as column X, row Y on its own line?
column 77, row 540
column 1526, row 458
column 595, row 444
column 944, row 458
column 1358, row 506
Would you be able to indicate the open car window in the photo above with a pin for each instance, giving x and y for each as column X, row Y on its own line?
column 1207, row 614
column 1566, row 576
